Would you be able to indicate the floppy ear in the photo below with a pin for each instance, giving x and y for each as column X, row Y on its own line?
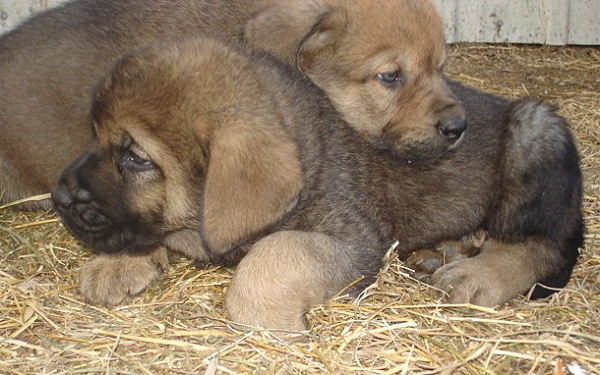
column 324, row 35
column 254, row 177
column 286, row 28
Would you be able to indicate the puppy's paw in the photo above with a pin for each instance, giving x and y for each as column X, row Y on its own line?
column 469, row 281
column 426, row 261
column 493, row 277
column 109, row 279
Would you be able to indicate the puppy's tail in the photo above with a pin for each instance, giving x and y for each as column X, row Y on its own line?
column 543, row 186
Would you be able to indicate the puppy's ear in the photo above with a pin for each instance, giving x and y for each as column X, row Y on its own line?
column 254, row 177
column 324, row 35
column 287, row 28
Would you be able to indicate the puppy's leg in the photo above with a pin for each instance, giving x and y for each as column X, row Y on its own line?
column 285, row 273
column 500, row 272
column 109, row 279
column 187, row 242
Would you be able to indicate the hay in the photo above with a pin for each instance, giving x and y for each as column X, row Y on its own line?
column 397, row 326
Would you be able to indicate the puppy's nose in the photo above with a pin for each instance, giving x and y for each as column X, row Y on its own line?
column 61, row 197
column 452, row 129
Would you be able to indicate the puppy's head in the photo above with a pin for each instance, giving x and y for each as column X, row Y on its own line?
column 380, row 62
column 186, row 138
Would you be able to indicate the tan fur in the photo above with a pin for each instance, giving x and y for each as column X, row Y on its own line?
column 497, row 274
column 298, row 262
column 262, row 162
column 342, row 46
column 109, row 279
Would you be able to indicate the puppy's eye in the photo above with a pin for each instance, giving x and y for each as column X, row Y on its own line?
column 392, row 79
column 132, row 162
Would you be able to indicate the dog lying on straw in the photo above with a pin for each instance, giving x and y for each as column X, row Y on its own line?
column 230, row 157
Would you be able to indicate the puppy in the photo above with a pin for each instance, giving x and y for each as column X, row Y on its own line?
column 231, row 157
column 350, row 49
column 380, row 63
column 50, row 65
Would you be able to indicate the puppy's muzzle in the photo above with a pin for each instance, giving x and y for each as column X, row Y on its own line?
column 61, row 198
column 451, row 124
column 452, row 129
column 96, row 211
column 77, row 207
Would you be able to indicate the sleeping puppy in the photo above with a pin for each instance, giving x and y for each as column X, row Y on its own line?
column 230, row 157
column 50, row 65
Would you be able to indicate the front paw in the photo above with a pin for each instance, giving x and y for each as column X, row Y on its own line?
column 491, row 278
column 467, row 281
column 109, row 279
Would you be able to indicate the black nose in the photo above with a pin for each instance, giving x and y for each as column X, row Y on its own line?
column 61, row 197
column 452, row 129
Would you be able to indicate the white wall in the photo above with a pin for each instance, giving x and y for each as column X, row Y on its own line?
column 522, row 21
column 514, row 21
column 12, row 12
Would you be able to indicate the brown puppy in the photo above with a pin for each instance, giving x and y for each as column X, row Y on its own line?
column 380, row 63
column 225, row 156
column 50, row 65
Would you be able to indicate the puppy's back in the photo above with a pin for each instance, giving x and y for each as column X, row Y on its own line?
column 51, row 63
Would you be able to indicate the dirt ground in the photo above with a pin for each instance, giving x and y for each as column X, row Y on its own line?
column 549, row 72
column 398, row 326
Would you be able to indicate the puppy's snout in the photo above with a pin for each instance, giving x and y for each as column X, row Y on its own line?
column 61, row 197
column 452, row 128
column 67, row 192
